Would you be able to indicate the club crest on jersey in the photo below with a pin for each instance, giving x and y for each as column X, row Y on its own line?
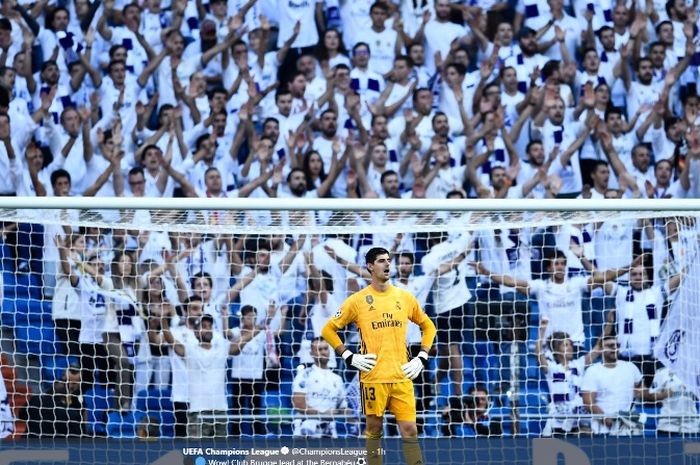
column 369, row 299
column 673, row 345
column 337, row 314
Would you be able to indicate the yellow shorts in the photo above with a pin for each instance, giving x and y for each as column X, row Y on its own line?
column 398, row 398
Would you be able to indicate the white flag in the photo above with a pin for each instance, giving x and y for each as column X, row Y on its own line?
column 678, row 346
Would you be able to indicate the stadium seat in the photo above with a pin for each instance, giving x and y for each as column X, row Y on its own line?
column 98, row 401
column 286, row 394
column 532, row 398
column 158, row 404
column 431, row 425
column 39, row 310
column 534, row 314
column 167, row 424
column 533, row 333
column 532, row 401
column 486, row 361
column 532, row 368
column 288, row 369
column 272, row 399
column 14, row 311
column 22, row 285
column 122, row 426
column 468, row 363
column 37, row 340
column 650, row 425
column 8, row 280
column 154, row 400
column 348, row 429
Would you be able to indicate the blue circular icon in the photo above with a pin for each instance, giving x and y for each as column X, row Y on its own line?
column 200, row 461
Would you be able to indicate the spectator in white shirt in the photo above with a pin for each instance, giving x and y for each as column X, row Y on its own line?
column 559, row 297
column 439, row 33
column 248, row 372
column 206, row 374
column 331, row 50
column 386, row 43
column 609, row 389
column 309, row 14
column 640, row 172
column 318, row 395
column 564, row 372
column 638, row 311
column 446, row 261
column 367, row 83
column 679, row 408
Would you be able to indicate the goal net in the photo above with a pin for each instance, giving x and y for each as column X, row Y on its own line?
column 560, row 318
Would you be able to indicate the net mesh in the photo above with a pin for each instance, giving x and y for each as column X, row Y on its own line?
column 520, row 299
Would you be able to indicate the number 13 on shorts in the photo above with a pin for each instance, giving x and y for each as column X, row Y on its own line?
column 398, row 398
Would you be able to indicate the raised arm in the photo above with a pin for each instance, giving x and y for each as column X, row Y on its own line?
column 337, row 165
column 218, row 48
column 150, row 68
column 523, row 117
column 114, row 166
column 150, row 53
column 606, row 142
column 186, row 185
column 237, row 346
column 294, row 249
column 391, row 110
column 467, row 128
column 560, row 35
column 602, row 277
column 520, row 285
column 690, row 48
column 282, row 52
column 261, row 181
column 450, row 265
column 107, row 13
column 352, row 105
column 420, row 33
column 163, row 174
column 474, row 164
column 573, row 148
column 39, row 187
column 65, row 265
column 352, row 267
column 597, row 349
column 178, row 347
column 235, row 291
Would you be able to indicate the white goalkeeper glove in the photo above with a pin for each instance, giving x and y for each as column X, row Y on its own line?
column 363, row 362
column 413, row 368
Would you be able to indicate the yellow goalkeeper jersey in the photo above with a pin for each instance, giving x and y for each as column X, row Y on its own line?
column 382, row 319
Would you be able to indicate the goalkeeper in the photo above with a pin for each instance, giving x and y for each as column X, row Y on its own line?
column 381, row 312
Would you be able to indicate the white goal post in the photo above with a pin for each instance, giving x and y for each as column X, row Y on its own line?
column 473, row 213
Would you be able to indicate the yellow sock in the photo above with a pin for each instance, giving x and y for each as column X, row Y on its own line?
column 374, row 445
column 412, row 452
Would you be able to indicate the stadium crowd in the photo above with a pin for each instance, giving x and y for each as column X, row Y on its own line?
column 356, row 99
